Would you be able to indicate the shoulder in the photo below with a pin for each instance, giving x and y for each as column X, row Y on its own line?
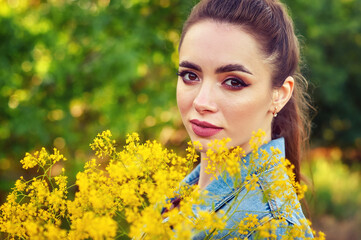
column 267, row 207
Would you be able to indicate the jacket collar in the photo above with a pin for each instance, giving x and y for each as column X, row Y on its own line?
column 223, row 189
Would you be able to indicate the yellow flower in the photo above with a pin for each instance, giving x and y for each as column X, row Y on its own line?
column 207, row 220
column 28, row 161
column 56, row 156
column 251, row 182
column 133, row 189
column 268, row 229
column 248, row 224
column 20, row 185
column 103, row 145
column 93, row 226
column 54, row 232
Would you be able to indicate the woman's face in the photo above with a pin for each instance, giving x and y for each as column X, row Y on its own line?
column 224, row 85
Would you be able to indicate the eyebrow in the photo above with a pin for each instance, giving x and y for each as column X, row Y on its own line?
column 190, row 65
column 232, row 68
column 222, row 69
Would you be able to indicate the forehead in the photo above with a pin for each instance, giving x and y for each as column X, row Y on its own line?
column 222, row 43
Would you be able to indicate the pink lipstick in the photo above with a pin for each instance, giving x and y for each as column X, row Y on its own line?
column 204, row 129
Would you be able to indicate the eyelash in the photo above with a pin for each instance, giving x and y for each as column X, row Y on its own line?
column 240, row 82
column 182, row 74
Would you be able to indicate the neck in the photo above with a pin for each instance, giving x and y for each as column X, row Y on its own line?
column 204, row 178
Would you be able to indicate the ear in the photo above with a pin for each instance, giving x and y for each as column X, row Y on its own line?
column 282, row 95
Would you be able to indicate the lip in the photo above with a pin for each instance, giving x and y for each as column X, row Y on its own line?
column 204, row 129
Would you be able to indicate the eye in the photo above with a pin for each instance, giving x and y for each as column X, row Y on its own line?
column 234, row 83
column 188, row 77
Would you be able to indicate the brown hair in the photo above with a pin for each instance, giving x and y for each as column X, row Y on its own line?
column 268, row 21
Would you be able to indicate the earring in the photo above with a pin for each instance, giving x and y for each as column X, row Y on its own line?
column 275, row 112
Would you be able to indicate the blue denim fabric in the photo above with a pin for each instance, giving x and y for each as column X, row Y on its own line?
column 222, row 194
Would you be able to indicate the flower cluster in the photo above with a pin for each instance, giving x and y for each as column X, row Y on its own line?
column 131, row 196
column 220, row 158
column 36, row 207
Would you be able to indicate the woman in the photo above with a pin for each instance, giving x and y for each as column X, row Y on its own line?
column 238, row 72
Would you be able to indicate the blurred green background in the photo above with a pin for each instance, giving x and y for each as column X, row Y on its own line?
column 72, row 68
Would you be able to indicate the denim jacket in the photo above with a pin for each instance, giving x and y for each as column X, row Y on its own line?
column 222, row 194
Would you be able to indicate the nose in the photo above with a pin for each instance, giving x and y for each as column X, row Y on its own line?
column 205, row 101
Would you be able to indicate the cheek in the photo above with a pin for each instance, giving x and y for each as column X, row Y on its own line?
column 246, row 110
column 184, row 100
